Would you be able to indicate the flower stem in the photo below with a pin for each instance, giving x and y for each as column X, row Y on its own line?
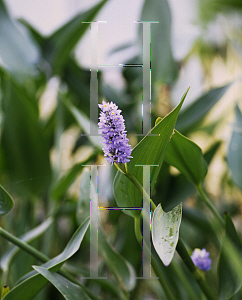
column 182, row 251
column 209, row 203
column 153, row 261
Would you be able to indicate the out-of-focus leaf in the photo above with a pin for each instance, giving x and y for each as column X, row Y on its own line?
column 120, row 267
column 194, row 113
column 84, row 123
column 17, row 51
column 234, row 151
column 229, row 283
column 28, row 288
column 60, row 44
column 150, row 151
column 187, row 157
column 6, row 201
column 68, row 289
column 37, row 36
column 165, row 232
column 26, row 156
column 65, row 181
column 163, row 66
column 27, row 237
column 83, row 205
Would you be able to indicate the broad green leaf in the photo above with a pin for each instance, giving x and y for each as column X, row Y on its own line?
column 165, row 232
column 27, row 237
column 229, row 282
column 163, row 66
column 66, row 180
column 25, row 149
column 58, row 47
column 6, row 201
column 187, row 157
column 195, row 112
column 85, row 124
column 120, row 267
column 68, row 289
column 150, row 150
column 235, row 148
column 28, row 288
column 17, row 51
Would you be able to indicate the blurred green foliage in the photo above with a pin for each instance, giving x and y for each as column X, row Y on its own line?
column 41, row 170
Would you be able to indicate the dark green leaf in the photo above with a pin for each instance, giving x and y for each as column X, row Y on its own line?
column 150, row 151
column 235, row 148
column 60, row 44
column 6, row 201
column 187, row 157
column 163, row 66
column 28, row 288
column 68, row 289
column 25, row 149
column 165, row 232
column 229, row 282
column 193, row 114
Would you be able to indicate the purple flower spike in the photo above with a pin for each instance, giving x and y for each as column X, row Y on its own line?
column 112, row 128
column 201, row 259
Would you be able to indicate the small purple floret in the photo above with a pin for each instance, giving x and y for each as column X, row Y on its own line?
column 201, row 259
column 111, row 127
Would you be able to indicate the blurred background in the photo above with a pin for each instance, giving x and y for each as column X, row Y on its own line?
column 45, row 107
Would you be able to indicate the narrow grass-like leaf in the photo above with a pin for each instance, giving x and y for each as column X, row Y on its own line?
column 235, row 148
column 68, row 289
column 150, row 150
column 17, row 51
column 186, row 156
column 165, row 232
column 27, row 237
column 28, row 288
column 229, row 282
column 6, row 201
column 60, row 44
column 194, row 113
column 120, row 267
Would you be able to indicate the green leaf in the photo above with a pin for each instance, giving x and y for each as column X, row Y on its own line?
column 195, row 113
column 60, row 44
column 229, row 282
column 62, row 185
column 150, row 150
column 17, row 50
column 68, row 289
column 27, row 237
column 24, row 146
column 28, row 288
column 163, row 66
column 6, row 201
column 165, row 232
column 234, row 152
column 187, row 157
column 83, row 205
column 118, row 265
